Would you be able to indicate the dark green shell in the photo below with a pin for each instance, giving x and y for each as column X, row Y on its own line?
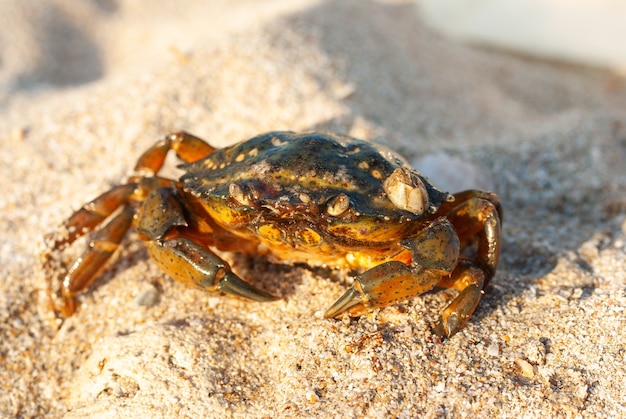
column 284, row 172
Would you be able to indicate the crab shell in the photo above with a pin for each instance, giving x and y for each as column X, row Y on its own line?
column 318, row 197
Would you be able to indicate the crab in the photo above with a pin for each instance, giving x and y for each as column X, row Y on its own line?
column 321, row 198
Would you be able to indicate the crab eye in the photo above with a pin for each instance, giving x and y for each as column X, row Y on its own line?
column 338, row 205
column 238, row 195
column 406, row 191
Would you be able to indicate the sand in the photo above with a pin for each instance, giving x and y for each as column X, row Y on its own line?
column 84, row 91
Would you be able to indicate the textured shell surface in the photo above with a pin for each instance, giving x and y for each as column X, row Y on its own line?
column 282, row 172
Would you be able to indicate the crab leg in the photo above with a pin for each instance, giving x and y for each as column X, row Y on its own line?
column 188, row 148
column 90, row 215
column 87, row 267
column 476, row 218
column 84, row 270
column 435, row 251
column 162, row 225
column 469, row 280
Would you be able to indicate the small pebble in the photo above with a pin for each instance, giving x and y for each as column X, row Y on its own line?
column 148, row 298
column 312, row 397
column 526, row 368
column 493, row 349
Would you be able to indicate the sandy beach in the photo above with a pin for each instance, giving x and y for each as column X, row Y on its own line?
column 85, row 90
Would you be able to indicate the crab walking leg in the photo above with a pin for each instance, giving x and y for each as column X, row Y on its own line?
column 476, row 218
column 469, row 280
column 90, row 215
column 480, row 220
column 467, row 195
column 87, row 267
column 435, row 251
column 188, row 148
column 162, row 225
column 78, row 224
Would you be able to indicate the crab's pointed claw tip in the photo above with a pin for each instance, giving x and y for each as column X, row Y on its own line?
column 349, row 301
column 231, row 284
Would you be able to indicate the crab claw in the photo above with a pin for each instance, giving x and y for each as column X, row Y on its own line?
column 196, row 266
column 435, row 252
column 231, row 284
column 350, row 299
column 382, row 285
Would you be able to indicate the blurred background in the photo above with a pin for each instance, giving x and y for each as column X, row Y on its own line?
column 589, row 32
column 56, row 43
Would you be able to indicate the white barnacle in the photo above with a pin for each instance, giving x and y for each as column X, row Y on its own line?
column 338, row 205
column 276, row 142
column 406, row 190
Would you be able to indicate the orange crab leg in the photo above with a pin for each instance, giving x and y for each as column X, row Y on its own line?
column 476, row 218
column 469, row 194
column 87, row 267
column 469, row 280
column 78, row 224
column 90, row 215
column 188, row 148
